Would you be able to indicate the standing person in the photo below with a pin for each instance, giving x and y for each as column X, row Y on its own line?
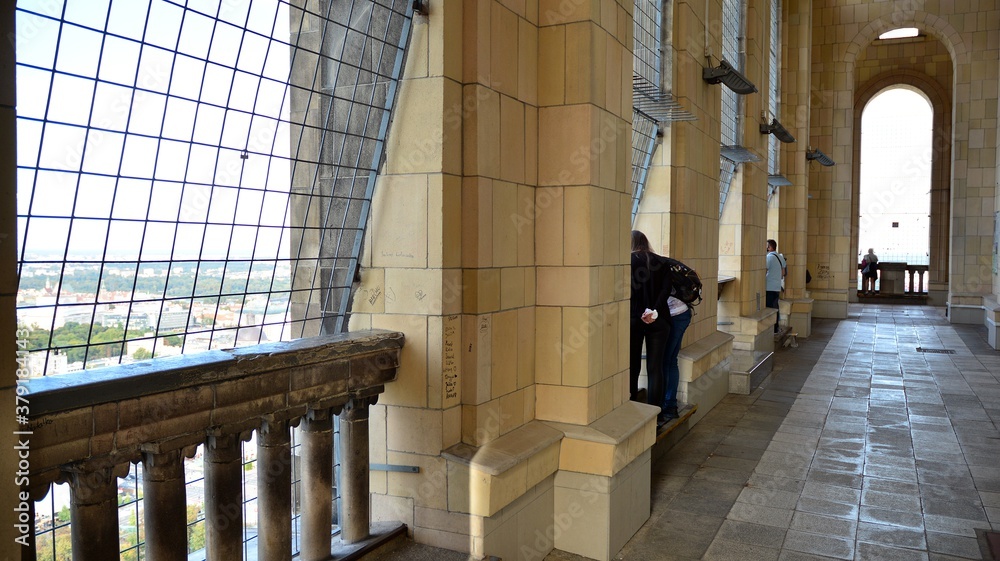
column 869, row 272
column 649, row 320
column 680, row 319
column 775, row 272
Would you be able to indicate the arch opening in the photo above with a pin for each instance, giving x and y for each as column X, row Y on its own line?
column 895, row 185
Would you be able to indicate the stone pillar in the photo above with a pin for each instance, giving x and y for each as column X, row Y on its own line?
column 317, row 485
column 223, row 497
column 793, row 200
column 9, row 337
column 581, row 211
column 274, row 492
column 94, row 515
column 354, row 485
column 166, row 511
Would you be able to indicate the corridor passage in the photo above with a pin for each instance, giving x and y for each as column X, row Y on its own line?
column 864, row 445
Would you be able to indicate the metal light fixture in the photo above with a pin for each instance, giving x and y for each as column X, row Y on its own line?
column 726, row 74
column 779, row 131
column 817, row 155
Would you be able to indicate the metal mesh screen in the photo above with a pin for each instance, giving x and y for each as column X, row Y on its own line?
column 731, row 26
column 774, row 73
column 195, row 174
column 726, row 172
column 646, row 34
column 643, row 144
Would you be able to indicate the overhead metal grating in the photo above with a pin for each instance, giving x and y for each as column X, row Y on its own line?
column 657, row 104
column 935, row 351
column 739, row 154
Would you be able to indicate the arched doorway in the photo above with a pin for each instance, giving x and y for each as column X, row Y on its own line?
column 934, row 92
column 895, row 188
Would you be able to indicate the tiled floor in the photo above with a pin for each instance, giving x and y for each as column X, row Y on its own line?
column 861, row 447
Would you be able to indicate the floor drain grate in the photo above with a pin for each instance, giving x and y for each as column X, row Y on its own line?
column 938, row 351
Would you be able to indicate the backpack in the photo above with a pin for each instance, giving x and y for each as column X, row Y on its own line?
column 685, row 281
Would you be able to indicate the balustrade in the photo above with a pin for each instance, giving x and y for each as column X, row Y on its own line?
column 915, row 275
column 87, row 427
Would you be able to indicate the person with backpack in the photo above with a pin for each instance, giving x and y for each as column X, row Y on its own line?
column 776, row 270
column 869, row 272
column 649, row 320
column 680, row 319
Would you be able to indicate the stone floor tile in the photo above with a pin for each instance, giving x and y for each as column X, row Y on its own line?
column 958, row 546
column 768, row 516
column 892, row 536
column 753, row 534
column 890, row 501
column 818, row 544
column 869, row 551
column 769, row 497
column 891, row 517
column 726, row 550
column 819, row 524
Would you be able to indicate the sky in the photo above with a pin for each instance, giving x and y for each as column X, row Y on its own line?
column 183, row 99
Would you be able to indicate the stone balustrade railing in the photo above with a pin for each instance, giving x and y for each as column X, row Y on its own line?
column 914, row 272
column 86, row 429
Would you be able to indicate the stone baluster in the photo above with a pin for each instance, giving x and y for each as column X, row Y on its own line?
column 354, row 468
column 223, row 497
column 274, row 492
column 317, row 485
column 166, row 512
column 911, row 285
column 94, row 512
column 920, row 287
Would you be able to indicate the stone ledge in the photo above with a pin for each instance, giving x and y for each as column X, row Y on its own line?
column 700, row 356
column 482, row 480
column 609, row 444
column 613, row 428
column 498, row 456
column 52, row 394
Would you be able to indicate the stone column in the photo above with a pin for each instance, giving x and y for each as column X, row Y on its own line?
column 166, row 511
column 9, row 499
column 94, row 513
column 317, row 485
column 223, row 497
column 581, row 211
column 274, row 492
column 354, row 526
column 793, row 200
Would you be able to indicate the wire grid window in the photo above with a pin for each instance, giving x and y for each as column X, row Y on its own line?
column 774, row 74
column 646, row 36
column 731, row 25
column 194, row 175
column 727, row 170
column 643, row 144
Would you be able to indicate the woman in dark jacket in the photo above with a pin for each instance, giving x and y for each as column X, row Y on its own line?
column 650, row 319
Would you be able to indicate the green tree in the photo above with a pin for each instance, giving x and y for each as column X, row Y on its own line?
column 142, row 353
column 195, row 532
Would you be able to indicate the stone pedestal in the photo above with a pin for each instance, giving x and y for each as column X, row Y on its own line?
column 800, row 316
column 595, row 514
column 892, row 278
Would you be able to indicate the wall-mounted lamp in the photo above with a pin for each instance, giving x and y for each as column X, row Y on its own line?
column 819, row 156
column 732, row 78
column 779, row 131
